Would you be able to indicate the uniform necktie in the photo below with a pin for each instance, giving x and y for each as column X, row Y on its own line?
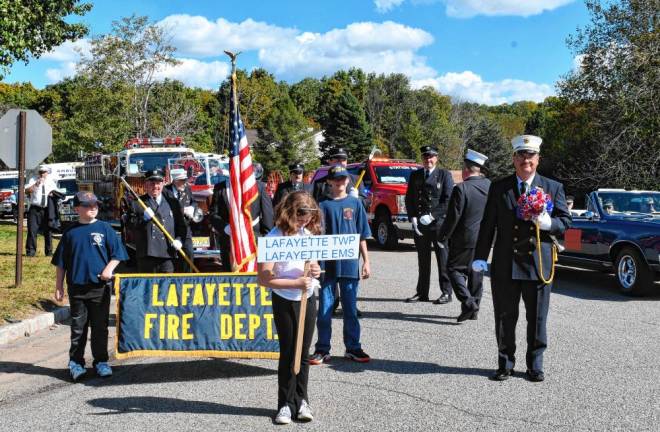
column 523, row 188
column 43, row 195
column 426, row 174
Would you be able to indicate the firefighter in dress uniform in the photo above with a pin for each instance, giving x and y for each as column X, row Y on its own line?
column 153, row 252
column 427, row 198
column 295, row 183
column 518, row 269
column 180, row 190
column 461, row 229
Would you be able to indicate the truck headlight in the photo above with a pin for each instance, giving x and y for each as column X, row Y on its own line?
column 401, row 204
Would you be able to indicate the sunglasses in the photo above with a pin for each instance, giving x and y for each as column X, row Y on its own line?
column 304, row 211
column 526, row 154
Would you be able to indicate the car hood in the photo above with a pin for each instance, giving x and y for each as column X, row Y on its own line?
column 637, row 220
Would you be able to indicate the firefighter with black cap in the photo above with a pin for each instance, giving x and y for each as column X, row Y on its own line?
column 153, row 252
column 427, row 198
column 461, row 230
column 295, row 183
column 337, row 156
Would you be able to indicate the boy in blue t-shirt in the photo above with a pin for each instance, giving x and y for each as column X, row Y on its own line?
column 87, row 255
column 342, row 214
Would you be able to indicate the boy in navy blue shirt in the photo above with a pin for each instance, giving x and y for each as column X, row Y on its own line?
column 342, row 214
column 87, row 255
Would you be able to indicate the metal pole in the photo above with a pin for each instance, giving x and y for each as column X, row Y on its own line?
column 22, row 118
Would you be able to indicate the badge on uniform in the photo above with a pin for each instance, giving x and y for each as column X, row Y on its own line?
column 348, row 213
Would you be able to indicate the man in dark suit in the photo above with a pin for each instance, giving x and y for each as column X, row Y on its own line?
column 515, row 270
column 261, row 211
column 180, row 190
column 427, row 198
column 153, row 252
column 295, row 183
column 461, row 228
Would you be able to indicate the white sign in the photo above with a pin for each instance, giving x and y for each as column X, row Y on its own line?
column 308, row 248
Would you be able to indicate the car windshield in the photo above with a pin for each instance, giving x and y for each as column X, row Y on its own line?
column 394, row 174
column 8, row 183
column 143, row 162
column 630, row 203
column 69, row 185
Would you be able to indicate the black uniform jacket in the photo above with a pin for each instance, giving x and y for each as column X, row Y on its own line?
column 284, row 188
column 185, row 199
column 466, row 209
column 149, row 239
column 261, row 208
column 430, row 196
column 515, row 253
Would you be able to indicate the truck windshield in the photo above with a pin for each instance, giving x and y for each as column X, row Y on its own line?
column 143, row 162
column 69, row 185
column 394, row 174
column 630, row 202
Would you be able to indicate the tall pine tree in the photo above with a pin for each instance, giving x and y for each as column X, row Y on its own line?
column 347, row 127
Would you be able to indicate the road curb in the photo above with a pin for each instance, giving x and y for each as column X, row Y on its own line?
column 25, row 328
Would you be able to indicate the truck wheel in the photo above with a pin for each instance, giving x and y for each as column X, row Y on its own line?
column 632, row 272
column 385, row 232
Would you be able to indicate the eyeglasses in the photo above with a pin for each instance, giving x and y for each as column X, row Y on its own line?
column 301, row 212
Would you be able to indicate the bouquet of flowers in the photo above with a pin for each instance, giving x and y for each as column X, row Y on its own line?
column 533, row 204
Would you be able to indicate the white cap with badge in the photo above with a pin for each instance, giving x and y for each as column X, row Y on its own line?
column 476, row 157
column 178, row 174
column 530, row 143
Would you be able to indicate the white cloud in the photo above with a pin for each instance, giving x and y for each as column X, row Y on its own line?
column 68, row 51
column 65, row 70
column 197, row 36
column 292, row 54
column 387, row 5
column 470, row 8
column 195, row 73
column 471, row 87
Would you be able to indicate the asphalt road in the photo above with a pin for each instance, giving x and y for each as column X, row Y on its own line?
column 427, row 372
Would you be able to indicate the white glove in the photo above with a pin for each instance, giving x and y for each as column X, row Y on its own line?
column 426, row 219
column 227, row 229
column 148, row 214
column 188, row 211
column 479, row 266
column 354, row 193
column 414, row 225
column 177, row 245
column 544, row 221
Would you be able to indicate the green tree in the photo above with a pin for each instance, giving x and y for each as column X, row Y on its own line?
column 617, row 85
column 485, row 136
column 348, row 128
column 31, row 28
column 130, row 56
column 305, row 95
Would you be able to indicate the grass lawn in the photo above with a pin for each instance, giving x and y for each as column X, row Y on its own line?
column 37, row 291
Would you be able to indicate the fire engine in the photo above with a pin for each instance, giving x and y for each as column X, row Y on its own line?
column 100, row 174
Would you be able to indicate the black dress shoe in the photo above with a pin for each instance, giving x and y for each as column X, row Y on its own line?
column 464, row 316
column 501, row 375
column 416, row 298
column 534, row 376
column 474, row 316
column 443, row 299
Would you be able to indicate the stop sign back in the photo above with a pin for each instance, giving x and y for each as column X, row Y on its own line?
column 38, row 139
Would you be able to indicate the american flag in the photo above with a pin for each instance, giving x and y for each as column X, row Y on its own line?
column 242, row 193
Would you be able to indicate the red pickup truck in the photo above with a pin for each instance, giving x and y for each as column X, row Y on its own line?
column 385, row 182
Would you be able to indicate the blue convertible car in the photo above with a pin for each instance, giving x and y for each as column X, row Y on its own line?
column 619, row 232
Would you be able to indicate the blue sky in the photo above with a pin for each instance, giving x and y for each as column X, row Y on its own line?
column 488, row 51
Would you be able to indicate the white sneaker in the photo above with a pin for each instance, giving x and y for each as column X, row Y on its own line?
column 305, row 412
column 283, row 415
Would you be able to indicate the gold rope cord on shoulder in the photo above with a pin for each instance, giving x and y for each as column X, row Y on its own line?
column 540, row 260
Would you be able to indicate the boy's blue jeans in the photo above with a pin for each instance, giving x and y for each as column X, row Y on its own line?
column 348, row 289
